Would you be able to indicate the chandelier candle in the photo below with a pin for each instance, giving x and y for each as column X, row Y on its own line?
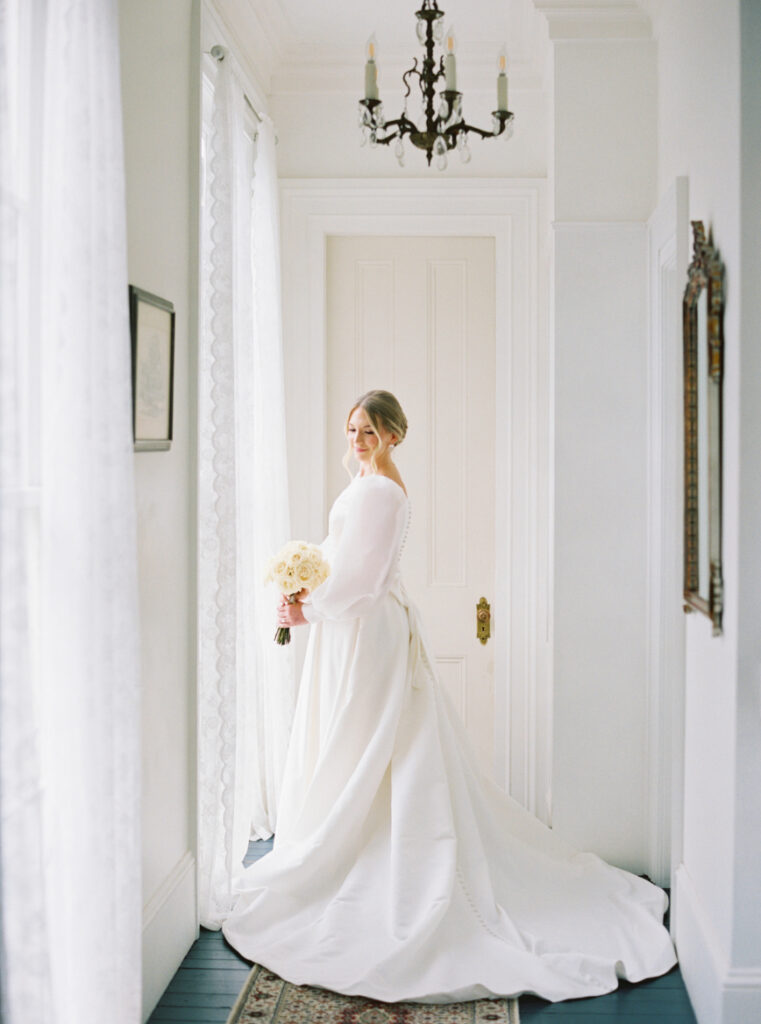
column 502, row 82
column 444, row 128
column 371, row 70
column 450, row 68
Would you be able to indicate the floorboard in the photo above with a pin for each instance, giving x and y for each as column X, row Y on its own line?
column 204, row 989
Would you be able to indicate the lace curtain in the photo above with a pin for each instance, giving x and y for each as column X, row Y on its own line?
column 246, row 692
column 70, row 909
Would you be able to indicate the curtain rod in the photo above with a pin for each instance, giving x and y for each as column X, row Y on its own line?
column 219, row 53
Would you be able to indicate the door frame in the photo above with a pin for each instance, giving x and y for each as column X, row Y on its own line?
column 513, row 213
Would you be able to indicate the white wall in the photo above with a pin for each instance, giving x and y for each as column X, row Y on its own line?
column 600, row 709
column 604, row 129
column 318, row 137
column 159, row 68
column 718, row 888
column 602, row 179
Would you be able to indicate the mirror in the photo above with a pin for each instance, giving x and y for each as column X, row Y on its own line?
column 703, row 315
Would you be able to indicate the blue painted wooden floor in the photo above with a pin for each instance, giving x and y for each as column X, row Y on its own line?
column 207, row 984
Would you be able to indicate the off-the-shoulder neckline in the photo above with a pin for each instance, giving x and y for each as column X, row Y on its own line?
column 381, row 476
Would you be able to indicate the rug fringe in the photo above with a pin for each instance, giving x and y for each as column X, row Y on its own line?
column 240, row 1002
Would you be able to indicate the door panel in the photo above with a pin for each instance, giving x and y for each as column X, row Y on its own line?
column 416, row 316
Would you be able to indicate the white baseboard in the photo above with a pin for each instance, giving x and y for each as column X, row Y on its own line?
column 719, row 994
column 742, row 995
column 170, row 927
column 699, row 953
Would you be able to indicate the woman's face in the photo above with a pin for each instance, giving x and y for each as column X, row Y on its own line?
column 362, row 437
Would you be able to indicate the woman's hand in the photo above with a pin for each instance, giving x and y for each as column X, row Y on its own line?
column 291, row 614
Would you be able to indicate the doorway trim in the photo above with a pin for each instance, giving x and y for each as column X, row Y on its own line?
column 512, row 212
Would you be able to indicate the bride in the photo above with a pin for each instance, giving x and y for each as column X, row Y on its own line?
column 399, row 872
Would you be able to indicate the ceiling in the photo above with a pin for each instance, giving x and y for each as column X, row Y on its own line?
column 292, row 41
column 307, row 45
column 330, row 25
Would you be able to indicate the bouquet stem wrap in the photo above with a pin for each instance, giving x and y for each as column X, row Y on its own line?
column 283, row 633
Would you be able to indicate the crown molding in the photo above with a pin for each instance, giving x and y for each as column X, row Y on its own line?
column 594, row 19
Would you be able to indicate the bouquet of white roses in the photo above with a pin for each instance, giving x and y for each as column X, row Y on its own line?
column 298, row 566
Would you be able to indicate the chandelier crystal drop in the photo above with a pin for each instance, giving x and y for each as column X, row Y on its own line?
column 445, row 129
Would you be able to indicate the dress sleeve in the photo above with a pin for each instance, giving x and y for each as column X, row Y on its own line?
column 365, row 554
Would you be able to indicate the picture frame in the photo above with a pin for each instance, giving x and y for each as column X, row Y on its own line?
column 703, row 339
column 152, row 336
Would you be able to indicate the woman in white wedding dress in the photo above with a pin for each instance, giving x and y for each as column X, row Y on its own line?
column 398, row 871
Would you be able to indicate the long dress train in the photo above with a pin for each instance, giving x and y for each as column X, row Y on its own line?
column 399, row 872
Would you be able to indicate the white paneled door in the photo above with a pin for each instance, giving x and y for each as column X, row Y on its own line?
column 416, row 316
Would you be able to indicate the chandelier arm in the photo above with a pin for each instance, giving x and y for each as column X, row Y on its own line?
column 402, row 125
column 405, row 125
column 386, row 139
column 463, row 127
column 452, row 131
column 402, row 128
column 412, row 71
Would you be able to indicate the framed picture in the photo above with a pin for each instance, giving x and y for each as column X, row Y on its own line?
column 152, row 330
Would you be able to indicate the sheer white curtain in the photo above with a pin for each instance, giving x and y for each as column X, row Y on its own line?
column 270, row 726
column 245, row 680
column 69, row 794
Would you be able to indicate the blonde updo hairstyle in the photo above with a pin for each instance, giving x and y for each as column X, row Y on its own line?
column 383, row 413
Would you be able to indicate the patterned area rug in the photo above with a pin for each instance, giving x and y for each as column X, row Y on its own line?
column 267, row 999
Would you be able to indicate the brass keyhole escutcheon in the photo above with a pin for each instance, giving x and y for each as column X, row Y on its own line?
column 483, row 620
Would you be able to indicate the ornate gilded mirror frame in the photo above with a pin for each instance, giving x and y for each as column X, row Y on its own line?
column 703, row 317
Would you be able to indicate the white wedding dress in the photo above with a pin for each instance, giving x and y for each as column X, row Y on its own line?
column 398, row 871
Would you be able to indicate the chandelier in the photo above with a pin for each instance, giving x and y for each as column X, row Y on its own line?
column 445, row 128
